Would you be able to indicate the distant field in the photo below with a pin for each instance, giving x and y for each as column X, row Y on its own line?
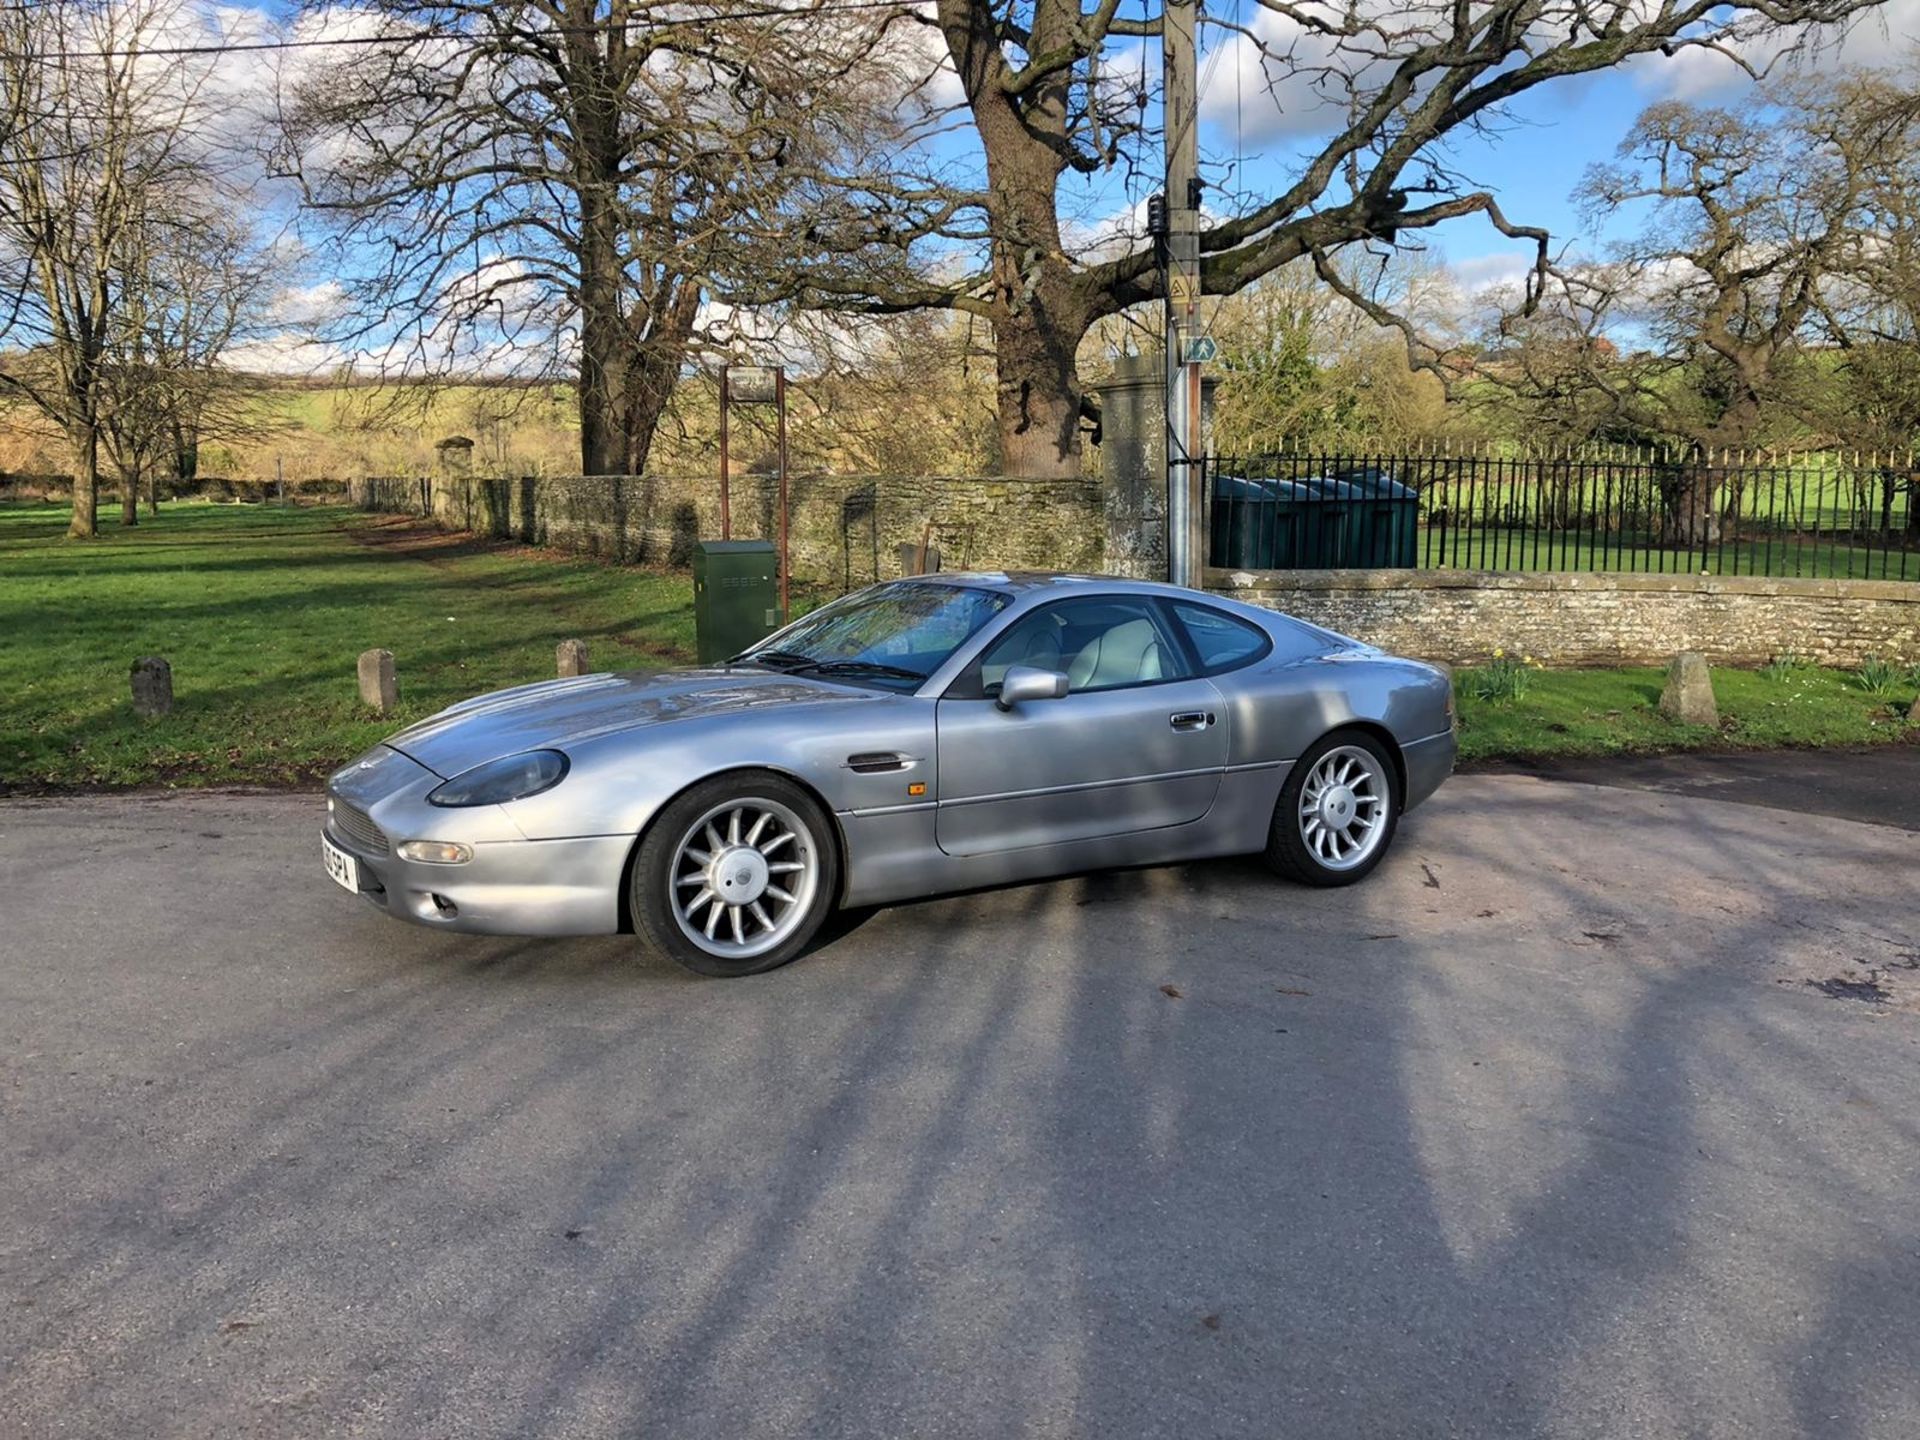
column 306, row 431
column 262, row 612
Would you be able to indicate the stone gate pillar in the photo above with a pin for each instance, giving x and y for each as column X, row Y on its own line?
column 1133, row 453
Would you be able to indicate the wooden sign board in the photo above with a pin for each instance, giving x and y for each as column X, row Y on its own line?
column 752, row 384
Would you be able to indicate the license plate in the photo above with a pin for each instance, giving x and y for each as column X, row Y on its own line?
column 344, row 869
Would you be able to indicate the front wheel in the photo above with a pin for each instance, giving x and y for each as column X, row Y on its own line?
column 1337, row 812
column 736, row 875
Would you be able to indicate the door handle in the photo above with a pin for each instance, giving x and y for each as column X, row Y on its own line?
column 1191, row 720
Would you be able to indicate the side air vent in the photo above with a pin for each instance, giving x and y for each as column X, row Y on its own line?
column 877, row 762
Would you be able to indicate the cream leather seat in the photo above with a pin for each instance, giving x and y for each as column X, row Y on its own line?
column 1124, row 655
column 1036, row 642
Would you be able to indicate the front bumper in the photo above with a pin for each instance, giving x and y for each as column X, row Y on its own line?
column 512, row 886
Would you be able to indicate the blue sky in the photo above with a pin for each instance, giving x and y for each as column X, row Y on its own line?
column 1532, row 163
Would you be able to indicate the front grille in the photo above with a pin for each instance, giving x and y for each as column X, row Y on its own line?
column 358, row 826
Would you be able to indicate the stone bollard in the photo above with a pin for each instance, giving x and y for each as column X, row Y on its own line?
column 570, row 658
column 1688, row 697
column 379, row 687
column 152, row 686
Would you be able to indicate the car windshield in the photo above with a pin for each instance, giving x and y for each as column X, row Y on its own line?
column 893, row 635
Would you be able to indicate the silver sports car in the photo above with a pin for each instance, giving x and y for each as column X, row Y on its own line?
column 919, row 736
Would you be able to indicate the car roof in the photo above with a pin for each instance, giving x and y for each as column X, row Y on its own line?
column 1024, row 582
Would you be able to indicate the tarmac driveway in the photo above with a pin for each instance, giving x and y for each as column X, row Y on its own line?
column 1594, row 1112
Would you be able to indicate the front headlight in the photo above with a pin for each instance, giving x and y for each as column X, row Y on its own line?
column 513, row 778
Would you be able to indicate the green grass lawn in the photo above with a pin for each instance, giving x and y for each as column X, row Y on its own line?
column 1826, row 556
column 1615, row 712
column 262, row 613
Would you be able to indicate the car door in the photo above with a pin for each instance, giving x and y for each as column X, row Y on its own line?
column 1136, row 744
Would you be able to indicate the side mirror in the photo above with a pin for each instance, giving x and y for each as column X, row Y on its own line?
column 1026, row 682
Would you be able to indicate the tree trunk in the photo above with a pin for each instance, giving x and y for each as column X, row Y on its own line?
column 186, row 455
column 654, row 365
column 1038, row 317
column 129, row 497
column 603, row 380
column 1039, row 393
column 603, row 336
column 86, row 487
column 1689, row 519
column 1038, row 311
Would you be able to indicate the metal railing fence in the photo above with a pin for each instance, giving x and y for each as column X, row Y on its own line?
column 1608, row 510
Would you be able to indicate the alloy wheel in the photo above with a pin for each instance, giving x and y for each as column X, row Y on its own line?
column 1343, row 807
column 743, row 877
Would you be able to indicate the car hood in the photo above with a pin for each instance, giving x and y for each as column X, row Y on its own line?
column 558, row 713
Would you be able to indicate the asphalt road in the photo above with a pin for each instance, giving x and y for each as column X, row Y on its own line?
column 1880, row 785
column 1593, row 1113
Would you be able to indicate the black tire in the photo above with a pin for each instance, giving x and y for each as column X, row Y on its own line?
column 1291, row 854
column 665, row 867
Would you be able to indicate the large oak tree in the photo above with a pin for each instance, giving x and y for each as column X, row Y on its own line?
column 1396, row 81
column 1771, row 246
column 552, row 186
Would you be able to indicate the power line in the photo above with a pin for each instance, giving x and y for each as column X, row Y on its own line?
column 416, row 37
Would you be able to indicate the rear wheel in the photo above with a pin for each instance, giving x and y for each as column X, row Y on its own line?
column 736, row 875
column 1337, row 812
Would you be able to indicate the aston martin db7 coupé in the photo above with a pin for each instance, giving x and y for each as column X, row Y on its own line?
column 919, row 736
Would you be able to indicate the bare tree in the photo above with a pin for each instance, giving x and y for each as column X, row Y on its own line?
column 1753, row 227
column 1394, row 82
column 194, row 281
column 93, row 136
column 548, row 186
column 1872, row 319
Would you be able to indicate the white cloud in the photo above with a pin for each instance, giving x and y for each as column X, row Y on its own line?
column 1883, row 36
column 1500, row 269
column 1289, row 81
column 1282, row 82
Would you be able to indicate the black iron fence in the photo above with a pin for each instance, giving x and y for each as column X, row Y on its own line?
column 1853, row 518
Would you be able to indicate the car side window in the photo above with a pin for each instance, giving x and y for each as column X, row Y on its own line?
column 1222, row 641
column 1099, row 643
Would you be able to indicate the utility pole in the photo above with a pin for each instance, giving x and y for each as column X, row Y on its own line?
column 1178, row 60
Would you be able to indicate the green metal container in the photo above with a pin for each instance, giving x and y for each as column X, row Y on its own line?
column 1359, row 519
column 736, row 596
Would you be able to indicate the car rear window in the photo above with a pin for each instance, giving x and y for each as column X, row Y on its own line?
column 1222, row 641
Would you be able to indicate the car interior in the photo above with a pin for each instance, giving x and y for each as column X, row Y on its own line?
column 1099, row 645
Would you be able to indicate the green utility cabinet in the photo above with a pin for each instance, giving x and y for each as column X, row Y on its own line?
column 736, row 596
column 1361, row 519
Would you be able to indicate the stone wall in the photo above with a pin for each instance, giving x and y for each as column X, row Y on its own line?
column 844, row 530
column 1462, row 616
